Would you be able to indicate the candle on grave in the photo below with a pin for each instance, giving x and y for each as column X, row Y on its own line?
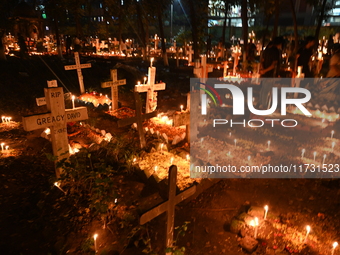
column 307, row 233
column 332, row 133
column 171, row 160
column 256, row 226
column 249, row 157
column 181, row 108
column 116, row 200
column 138, row 83
column 303, row 153
column 2, row 146
column 323, row 159
column 265, row 212
column 335, row 244
column 151, row 61
column 7, row 147
column 156, row 168
column 230, row 134
column 314, row 155
column 268, row 145
column 202, row 139
column 162, row 146
column 333, row 145
column 188, row 157
column 235, row 141
column 209, row 151
column 134, row 160
column 3, row 118
column 57, row 184
column 95, row 242
column 73, row 97
column 145, row 80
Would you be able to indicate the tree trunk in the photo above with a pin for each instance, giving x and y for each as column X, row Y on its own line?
column 276, row 21
column 244, row 16
column 321, row 17
column 56, row 28
column 194, row 29
column 161, row 32
column 142, row 31
column 295, row 30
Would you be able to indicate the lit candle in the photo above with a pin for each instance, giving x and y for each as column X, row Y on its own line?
column 333, row 145
column 308, row 230
column 162, row 146
column 229, row 134
column 314, row 154
column 181, row 108
column 57, row 184
column 171, row 160
column 138, row 83
column 95, row 242
column 3, row 118
column 156, row 168
column 249, row 157
column 202, row 139
column 145, row 80
column 265, row 212
column 323, row 159
column 209, row 151
column 268, row 145
column 134, row 160
column 188, row 157
column 2, row 146
column 73, row 97
column 235, row 141
column 303, row 153
column 256, row 225
column 116, row 200
column 335, row 244
column 6, row 148
column 151, row 61
column 9, row 119
column 332, row 133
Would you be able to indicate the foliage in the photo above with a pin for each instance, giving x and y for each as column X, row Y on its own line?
column 175, row 250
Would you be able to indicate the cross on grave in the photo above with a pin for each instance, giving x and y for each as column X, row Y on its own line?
column 78, row 67
column 150, row 88
column 190, row 52
column 114, row 83
column 56, row 119
column 183, row 118
column 201, row 70
column 139, row 118
column 169, row 206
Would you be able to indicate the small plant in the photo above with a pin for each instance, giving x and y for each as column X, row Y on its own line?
column 175, row 250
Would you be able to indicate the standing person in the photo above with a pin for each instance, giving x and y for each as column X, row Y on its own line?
column 304, row 56
column 270, row 67
column 23, row 46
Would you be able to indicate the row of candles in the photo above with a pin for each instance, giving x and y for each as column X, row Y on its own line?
column 255, row 223
column 3, row 147
column 5, row 119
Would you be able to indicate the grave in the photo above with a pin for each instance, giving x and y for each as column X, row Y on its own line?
column 138, row 119
column 169, row 206
column 78, row 67
column 150, row 88
column 183, row 118
column 114, row 83
column 190, row 52
column 56, row 119
column 202, row 69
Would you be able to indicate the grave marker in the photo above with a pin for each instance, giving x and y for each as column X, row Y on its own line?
column 78, row 67
column 183, row 118
column 190, row 52
column 114, row 87
column 201, row 70
column 169, row 206
column 139, row 118
column 150, row 88
column 56, row 119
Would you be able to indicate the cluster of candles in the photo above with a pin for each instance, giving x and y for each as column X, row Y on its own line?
column 315, row 153
column 331, row 117
column 5, row 119
column 3, row 147
column 255, row 223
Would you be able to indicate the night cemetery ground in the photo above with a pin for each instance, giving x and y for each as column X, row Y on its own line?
column 110, row 182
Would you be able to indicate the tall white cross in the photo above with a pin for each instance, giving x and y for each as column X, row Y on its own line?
column 114, row 83
column 150, row 88
column 56, row 119
column 201, row 70
column 78, row 67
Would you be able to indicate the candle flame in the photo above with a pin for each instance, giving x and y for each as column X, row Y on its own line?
column 266, row 208
column 335, row 244
column 308, row 229
column 95, row 236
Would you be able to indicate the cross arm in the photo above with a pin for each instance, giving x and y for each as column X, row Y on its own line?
column 130, row 121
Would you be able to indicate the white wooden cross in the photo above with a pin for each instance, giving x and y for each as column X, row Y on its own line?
column 114, row 83
column 56, row 119
column 78, row 67
column 183, row 119
column 150, row 88
column 169, row 206
column 139, row 118
column 190, row 52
